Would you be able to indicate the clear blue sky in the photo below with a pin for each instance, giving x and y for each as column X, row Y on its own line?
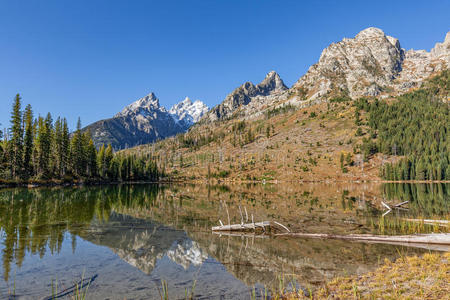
column 91, row 58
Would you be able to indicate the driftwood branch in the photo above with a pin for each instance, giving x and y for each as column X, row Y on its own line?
column 251, row 226
column 242, row 227
column 242, row 216
column 396, row 206
column 400, row 204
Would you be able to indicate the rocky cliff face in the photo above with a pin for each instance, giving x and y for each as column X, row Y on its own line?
column 265, row 92
column 420, row 64
column 145, row 121
column 370, row 64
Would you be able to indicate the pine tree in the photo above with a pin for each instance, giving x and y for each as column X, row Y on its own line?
column 91, row 159
column 57, row 149
column 16, row 139
column 65, row 148
column 77, row 152
column 421, row 170
column 28, row 141
column 112, row 172
column 44, row 145
column 101, row 161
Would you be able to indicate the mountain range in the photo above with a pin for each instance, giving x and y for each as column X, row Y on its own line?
column 370, row 64
column 145, row 121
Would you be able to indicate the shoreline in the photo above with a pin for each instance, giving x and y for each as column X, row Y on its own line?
column 57, row 183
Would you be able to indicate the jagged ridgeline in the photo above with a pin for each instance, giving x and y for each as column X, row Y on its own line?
column 38, row 149
column 370, row 64
column 145, row 121
column 415, row 129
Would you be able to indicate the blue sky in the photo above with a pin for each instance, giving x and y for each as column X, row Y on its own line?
column 91, row 58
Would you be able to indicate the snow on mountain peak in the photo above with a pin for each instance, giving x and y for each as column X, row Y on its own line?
column 188, row 112
column 143, row 105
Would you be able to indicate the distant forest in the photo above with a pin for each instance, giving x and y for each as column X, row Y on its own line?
column 40, row 149
column 416, row 127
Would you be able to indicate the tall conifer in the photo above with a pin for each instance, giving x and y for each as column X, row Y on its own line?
column 28, row 141
column 16, row 138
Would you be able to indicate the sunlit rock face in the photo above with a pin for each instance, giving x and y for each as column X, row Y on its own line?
column 145, row 121
column 370, row 64
column 264, row 93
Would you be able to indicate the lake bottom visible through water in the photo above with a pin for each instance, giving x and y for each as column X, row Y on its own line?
column 132, row 240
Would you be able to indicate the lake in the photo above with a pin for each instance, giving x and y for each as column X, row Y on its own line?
column 129, row 241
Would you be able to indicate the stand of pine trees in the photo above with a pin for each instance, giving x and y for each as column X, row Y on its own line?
column 415, row 126
column 43, row 149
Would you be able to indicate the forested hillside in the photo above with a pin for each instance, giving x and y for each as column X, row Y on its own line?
column 40, row 149
column 415, row 126
column 397, row 138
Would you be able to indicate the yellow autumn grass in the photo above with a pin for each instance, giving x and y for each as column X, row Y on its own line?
column 426, row 277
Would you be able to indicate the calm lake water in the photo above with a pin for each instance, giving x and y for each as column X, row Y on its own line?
column 130, row 239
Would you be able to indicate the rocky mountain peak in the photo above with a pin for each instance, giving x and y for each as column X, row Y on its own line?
column 272, row 83
column 145, row 121
column 359, row 66
column 371, row 32
column 145, row 104
column 186, row 100
column 265, row 93
column 370, row 64
column 442, row 49
column 187, row 112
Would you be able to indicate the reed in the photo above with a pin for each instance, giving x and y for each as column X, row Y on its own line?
column 388, row 225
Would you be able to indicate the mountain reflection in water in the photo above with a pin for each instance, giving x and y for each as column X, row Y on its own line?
column 134, row 236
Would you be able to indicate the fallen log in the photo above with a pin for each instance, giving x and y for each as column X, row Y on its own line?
column 432, row 247
column 250, row 226
column 242, row 227
column 242, row 234
column 435, row 238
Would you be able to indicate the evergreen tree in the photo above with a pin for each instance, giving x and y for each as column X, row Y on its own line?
column 101, row 162
column 57, row 149
column 113, row 170
column 92, row 159
column 90, row 155
column 77, row 152
column 28, row 141
column 44, row 140
column 65, row 148
column 16, row 139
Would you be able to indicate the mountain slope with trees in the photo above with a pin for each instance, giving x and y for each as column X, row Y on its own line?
column 339, row 140
column 416, row 126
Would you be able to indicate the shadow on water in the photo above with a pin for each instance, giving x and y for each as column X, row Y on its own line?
column 163, row 232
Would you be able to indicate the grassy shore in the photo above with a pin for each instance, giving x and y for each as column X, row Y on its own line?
column 425, row 277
